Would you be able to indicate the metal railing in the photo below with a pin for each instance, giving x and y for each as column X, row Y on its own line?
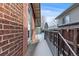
column 64, row 41
column 67, row 44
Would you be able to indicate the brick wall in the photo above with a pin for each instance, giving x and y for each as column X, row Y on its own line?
column 11, row 29
column 25, row 28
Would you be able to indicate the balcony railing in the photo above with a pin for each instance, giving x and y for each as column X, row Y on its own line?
column 61, row 44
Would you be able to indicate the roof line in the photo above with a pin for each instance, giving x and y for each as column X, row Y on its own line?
column 74, row 5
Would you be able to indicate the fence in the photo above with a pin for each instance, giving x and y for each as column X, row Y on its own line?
column 62, row 45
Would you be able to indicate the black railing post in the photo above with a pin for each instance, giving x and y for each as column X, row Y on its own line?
column 58, row 45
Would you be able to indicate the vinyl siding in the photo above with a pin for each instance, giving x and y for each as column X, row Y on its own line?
column 73, row 15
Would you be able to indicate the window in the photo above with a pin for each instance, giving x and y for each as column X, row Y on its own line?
column 30, row 14
column 66, row 19
column 30, row 23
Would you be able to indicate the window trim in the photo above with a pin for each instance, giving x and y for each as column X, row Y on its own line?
column 65, row 20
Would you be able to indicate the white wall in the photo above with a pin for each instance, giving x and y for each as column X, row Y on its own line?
column 73, row 15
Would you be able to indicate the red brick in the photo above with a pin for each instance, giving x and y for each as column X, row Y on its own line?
column 8, row 17
column 17, row 48
column 11, row 53
column 13, row 15
column 0, row 20
column 13, row 8
column 14, row 31
column 4, row 11
column 7, row 46
column 4, row 53
column 18, row 34
column 11, row 29
column 0, row 50
column 12, row 23
column 12, row 48
column 8, row 27
column 0, row 38
column 7, row 31
column 16, row 42
column 1, row 9
column 5, row 21
column 1, row 14
column 5, row 37
column 3, row 43
column 7, row 6
column 1, row 4
column 0, row 26
column 13, row 39
column 1, row 32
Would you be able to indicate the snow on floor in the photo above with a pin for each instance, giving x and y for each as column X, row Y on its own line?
column 42, row 48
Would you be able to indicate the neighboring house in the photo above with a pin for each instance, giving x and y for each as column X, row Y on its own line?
column 14, row 27
column 69, row 16
column 50, row 26
column 53, row 26
column 68, row 23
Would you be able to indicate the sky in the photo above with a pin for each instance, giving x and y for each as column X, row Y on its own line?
column 52, row 10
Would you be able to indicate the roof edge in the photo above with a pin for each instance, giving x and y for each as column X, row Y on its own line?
column 68, row 9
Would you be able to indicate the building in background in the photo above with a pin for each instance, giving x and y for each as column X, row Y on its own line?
column 68, row 24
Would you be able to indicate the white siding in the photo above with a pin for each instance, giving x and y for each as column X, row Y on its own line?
column 73, row 15
column 59, row 21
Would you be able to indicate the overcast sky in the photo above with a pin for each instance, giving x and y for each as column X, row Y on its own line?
column 52, row 10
